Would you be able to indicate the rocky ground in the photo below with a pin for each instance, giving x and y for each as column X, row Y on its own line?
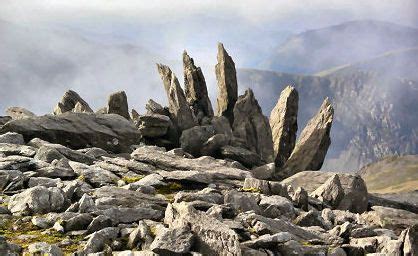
column 184, row 180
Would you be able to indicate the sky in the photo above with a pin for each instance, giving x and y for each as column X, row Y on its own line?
column 99, row 46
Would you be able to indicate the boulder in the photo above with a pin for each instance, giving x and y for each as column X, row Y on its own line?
column 242, row 155
column 195, row 89
column 99, row 239
column 355, row 192
column 42, row 248
column 252, row 126
column 213, row 145
column 300, row 198
column 79, row 130
column 68, row 103
column 242, row 202
column 12, row 138
column 118, row 104
column 226, row 76
column 192, row 139
column 203, row 169
column 153, row 125
column 4, row 119
column 313, row 143
column 212, row 237
column 276, row 207
column 331, row 192
column 178, row 107
column 175, row 241
column 264, row 172
column 18, row 113
column 284, row 125
column 37, row 200
column 411, row 241
column 390, row 218
column 153, row 107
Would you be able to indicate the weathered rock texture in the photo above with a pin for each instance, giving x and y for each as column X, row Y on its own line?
column 227, row 84
column 18, row 113
column 195, row 89
column 284, row 125
column 118, row 104
column 313, row 143
column 177, row 103
column 252, row 126
column 78, row 130
column 355, row 192
column 69, row 101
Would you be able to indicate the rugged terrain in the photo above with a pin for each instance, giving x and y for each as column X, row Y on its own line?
column 186, row 179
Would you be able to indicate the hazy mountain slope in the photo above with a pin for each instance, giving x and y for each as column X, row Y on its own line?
column 374, row 107
column 392, row 175
column 316, row 50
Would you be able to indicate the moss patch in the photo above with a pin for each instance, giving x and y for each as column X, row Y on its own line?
column 170, row 188
column 251, row 189
column 128, row 180
column 24, row 234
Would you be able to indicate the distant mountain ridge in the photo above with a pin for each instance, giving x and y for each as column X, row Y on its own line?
column 320, row 49
column 374, row 105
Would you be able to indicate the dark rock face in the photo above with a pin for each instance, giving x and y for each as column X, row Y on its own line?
column 177, row 103
column 195, row 89
column 252, row 126
column 118, row 104
column 78, row 130
column 313, row 143
column 284, row 126
column 227, row 84
column 69, row 101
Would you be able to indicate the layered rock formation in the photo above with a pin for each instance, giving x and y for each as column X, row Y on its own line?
column 98, row 183
column 195, row 89
column 118, row 104
column 177, row 103
column 252, row 126
column 71, row 101
column 312, row 145
column 227, row 84
column 284, row 125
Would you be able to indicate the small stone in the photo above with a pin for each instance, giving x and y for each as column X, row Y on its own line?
column 43, row 248
column 98, row 223
column 300, row 198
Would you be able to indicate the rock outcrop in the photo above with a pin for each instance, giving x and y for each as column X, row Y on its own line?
column 355, row 197
column 118, row 104
column 284, row 125
column 252, row 126
column 69, row 101
column 99, row 184
column 313, row 143
column 227, row 84
column 195, row 89
column 18, row 113
column 177, row 104
column 78, row 130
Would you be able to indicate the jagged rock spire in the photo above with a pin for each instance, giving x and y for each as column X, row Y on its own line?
column 312, row 146
column 284, row 126
column 68, row 102
column 227, row 84
column 177, row 103
column 195, row 89
column 252, row 126
column 118, row 104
